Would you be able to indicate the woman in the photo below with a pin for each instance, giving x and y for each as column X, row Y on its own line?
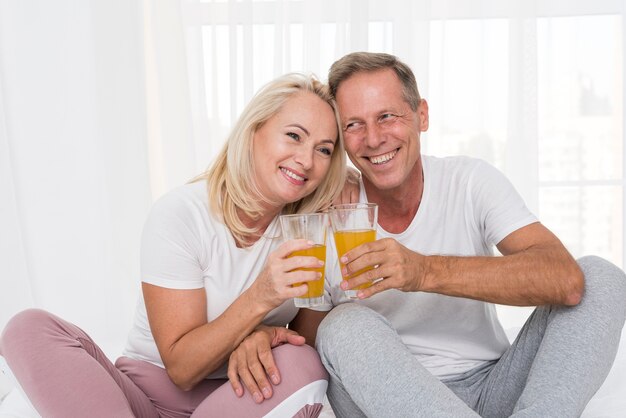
column 215, row 281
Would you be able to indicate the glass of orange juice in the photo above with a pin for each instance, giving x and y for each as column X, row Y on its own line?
column 310, row 226
column 353, row 224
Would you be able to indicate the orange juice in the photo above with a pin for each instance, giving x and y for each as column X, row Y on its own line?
column 316, row 287
column 347, row 240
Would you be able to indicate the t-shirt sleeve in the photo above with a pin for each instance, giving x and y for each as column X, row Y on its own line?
column 171, row 246
column 498, row 208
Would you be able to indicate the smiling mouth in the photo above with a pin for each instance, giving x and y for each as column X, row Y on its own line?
column 384, row 158
column 293, row 175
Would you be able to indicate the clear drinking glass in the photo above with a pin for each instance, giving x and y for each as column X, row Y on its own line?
column 353, row 224
column 312, row 227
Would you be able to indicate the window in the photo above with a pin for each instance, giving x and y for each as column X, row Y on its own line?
column 535, row 89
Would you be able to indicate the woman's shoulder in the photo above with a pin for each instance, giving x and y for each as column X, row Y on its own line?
column 183, row 198
column 187, row 203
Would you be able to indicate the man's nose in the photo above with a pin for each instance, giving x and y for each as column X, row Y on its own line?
column 374, row 135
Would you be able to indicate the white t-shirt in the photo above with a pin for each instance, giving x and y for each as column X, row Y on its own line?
column 183, row 246
column 467, row 207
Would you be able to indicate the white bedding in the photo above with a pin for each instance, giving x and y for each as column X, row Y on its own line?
column 608, row 402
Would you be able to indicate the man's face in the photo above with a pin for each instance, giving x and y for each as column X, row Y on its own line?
column 382, row 133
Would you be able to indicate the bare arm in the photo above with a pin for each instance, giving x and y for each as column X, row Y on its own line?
column 350, row 191
column 190, row 346
column 535, row 269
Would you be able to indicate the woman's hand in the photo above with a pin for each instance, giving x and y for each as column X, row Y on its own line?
column 274, row 284
column 252, row 362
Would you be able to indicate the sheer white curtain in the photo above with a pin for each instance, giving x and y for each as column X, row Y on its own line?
column 104, row 106
column 74, row 178
column 94, row 126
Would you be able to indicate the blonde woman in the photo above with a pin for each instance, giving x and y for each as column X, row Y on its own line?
column 216, row 283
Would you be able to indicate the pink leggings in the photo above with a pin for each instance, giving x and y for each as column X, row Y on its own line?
column 65, row 374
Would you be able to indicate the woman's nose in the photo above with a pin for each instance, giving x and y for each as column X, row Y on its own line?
column 305, row 158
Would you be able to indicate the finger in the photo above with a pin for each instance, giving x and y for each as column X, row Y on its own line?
column 250, row 383
column 292, row 245
column 377, row 287
column 367, row 277
column 257, row 369
column 301, row 276
column 296, row 291
column 354, row 196
column 233, row 378
column 357, row 252
column 367, row 260
column 286, row 335
column 267, row 359
column 296, row 339
column 301, row 261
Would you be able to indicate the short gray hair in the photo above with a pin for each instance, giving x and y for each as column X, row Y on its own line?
column 357, row 62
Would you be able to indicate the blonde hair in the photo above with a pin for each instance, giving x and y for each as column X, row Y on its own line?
column 231, row 179
column 356, row 62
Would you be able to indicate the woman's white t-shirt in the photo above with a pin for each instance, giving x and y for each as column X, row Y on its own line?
column 183, row 246
column 467, row 207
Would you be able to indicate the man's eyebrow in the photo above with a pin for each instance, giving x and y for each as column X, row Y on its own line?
column 297, row 125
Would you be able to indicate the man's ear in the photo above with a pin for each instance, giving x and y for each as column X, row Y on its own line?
column 422, row 112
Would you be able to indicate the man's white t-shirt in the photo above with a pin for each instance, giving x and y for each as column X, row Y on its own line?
column 183, row 246
column 467, row 207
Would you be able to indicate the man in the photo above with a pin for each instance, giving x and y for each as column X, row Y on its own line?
column 425, row 340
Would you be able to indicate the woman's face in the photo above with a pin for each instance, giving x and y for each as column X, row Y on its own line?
column 292, row 150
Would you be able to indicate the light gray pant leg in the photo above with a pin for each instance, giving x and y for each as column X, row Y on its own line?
column 563, row 354
column 373, row 374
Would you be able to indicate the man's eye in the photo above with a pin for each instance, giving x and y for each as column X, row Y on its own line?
column 293, row 136
column 352, row 126
column 387, row 116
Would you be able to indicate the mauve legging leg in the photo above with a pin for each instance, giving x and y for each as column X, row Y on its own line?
column 65, row 374
column 299, row 394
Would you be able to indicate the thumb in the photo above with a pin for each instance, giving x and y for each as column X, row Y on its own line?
column 284, row 335
column 295, row 339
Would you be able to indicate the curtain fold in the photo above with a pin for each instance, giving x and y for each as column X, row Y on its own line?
column 14, row 274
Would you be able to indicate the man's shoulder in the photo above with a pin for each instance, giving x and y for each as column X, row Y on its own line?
column 453, row 165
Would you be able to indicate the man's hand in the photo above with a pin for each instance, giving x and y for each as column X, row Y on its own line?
column 397, row 266
column 350, row 191
column 253, row 362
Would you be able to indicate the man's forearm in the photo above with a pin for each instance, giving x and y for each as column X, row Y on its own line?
column 539, row 275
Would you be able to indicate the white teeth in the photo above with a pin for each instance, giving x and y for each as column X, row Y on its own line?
column 292, row 174
column 383, row 158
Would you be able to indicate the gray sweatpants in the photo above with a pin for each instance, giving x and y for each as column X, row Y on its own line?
column 558, row 361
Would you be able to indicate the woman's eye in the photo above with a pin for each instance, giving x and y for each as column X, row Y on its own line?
column 293, row 136
column 326, row 151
